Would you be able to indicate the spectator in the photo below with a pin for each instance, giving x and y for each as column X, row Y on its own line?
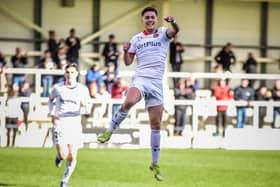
column 13, row 114
column 110, row 77
column 184, row 90
column 243, row 93
column 111, row 52
column 276, row 110
column 118, row 90
column 61, row 63
column 94, row 81
column 47, row 63
column 262, row 94
column 19, row 61
column 3, row 76
column 226, row 57
column 250, row 66
column 176, row 50
column 222, row 92
column 53, row 44
column 73, row 46
column 25, row 91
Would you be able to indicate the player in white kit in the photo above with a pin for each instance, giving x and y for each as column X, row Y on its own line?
column 65, row 102
column 150, row 48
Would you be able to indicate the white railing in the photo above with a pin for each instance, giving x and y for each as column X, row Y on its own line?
column 39, row 72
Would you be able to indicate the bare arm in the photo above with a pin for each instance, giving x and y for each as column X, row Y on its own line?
column 128, row 58
column 174, row 29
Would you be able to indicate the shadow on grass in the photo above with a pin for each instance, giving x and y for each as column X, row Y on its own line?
column 10, row 184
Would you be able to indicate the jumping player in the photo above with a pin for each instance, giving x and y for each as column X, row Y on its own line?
column 150, row 48
column 65, row 102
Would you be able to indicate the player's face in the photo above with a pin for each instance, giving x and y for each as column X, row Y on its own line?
column 71, row 74
column 150, row 21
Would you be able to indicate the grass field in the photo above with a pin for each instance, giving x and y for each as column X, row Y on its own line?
column 26, row 167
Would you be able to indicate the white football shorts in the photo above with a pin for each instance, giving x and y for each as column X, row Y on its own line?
column 68, row 130
column 150, row 89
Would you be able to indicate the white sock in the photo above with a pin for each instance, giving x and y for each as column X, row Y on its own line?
column 155, row 145
column 118, row 117
column 70, row 166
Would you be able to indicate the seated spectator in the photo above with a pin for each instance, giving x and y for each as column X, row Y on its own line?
column 46, row 62
column 262, row 94
column 222, row 92
column 243, row 93
column 118, row 90
column 250, row 66
column 276, row 110
column 25, row 91
column 94, row 81
column 19, row 61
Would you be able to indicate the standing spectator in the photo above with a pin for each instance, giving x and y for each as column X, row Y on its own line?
column 13, row 114
column 3, row 76
column 61, row 63
column 111, row 52
column 226, row 57
column 243, row 93
column 150, row 47
column 118, row 90
column 94, row 80
column 53, row 44
column 276, row 110
column 110, row 77
column 25, row 91
column 222, row 92
column 176, row 50
column 250, row 66
column 47, row 63
column 73, row 46
column 182, row 91
column 19, row 61
column 262, row 94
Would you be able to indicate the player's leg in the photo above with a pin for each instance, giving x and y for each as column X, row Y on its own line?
column 155, row 115
column 58, row 141
column 70, row 164
column 133, row 96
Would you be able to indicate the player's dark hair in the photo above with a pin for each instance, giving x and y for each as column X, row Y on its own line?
column 74, row 65
column 149, row 8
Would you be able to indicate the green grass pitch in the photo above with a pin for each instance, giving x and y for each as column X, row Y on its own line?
column 30, row 167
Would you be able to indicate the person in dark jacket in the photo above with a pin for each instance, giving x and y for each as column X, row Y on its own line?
column 226, row 57
column 262, row 94
column 243, row 93
column 111, row 52
column 250, row 66
column 73, row 46
column 276, row 110
column 176, row 50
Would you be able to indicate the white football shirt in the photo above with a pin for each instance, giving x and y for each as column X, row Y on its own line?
column 68, row 101
column 151, row 52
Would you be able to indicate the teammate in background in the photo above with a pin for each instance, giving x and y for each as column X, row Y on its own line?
column 150, row 48
column 69, row 97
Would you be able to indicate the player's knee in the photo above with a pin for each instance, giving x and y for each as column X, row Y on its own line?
column 70, row 157
column 155, row 125
column 127, row 105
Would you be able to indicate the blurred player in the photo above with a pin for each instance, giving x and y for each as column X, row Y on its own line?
column 69, row 97
column 150, row 48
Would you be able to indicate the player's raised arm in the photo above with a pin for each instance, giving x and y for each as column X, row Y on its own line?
column 128, row 57
column 174, row 29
